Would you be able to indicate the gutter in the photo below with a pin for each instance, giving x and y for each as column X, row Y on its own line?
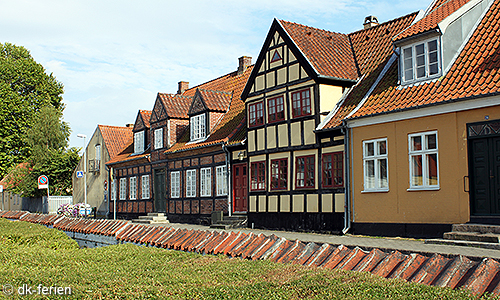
column 347, row 206
column 228, row 169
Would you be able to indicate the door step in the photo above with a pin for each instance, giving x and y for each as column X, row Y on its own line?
column 472, row 235
column 152, row 218
column 229, row 222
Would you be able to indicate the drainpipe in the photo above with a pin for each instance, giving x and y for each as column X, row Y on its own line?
column 347, row 207
column 228, row 168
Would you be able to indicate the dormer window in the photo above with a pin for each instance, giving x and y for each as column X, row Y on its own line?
column 198, row 127
column 158, row 133
column 421, row 61
column 139, row 142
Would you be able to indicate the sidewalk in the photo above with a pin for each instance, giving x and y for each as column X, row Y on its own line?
column 366, row 243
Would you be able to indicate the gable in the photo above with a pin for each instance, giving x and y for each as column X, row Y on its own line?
column 277, row 63
column 139, row 123
column 159, row 112
column 197, row 106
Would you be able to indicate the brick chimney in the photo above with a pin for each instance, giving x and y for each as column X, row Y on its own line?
column 370, row 21
column 244, row 63
column 183, row 86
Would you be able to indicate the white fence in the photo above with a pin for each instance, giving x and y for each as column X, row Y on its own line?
column 56, row 201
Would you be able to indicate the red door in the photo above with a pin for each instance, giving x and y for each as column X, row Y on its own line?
column 240, row 189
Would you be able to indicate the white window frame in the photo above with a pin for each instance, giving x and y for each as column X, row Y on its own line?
column 158, row 138
column 175, row 184
column 221, row 174
column 133, row 188
column 197, row 126
column 113, row 190
column 139, row 142
column 424, row 153
column 145, row 187
column 123, row 188
column 412, row 48
column 377, row 158
column 206, row 182
column 191, row 183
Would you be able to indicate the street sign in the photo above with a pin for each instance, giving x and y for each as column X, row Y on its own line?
column 79, row 174
column 43, row 182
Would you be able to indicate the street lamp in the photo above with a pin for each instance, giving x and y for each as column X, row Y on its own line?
column 83, row 136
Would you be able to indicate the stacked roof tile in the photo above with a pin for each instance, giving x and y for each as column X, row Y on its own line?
column 478, row 275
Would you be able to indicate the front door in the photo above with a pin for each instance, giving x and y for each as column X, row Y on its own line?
column 159, row 191
column 484, row 173
column 240, row 188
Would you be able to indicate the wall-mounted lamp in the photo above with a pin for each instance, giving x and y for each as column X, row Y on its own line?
column 241, row 155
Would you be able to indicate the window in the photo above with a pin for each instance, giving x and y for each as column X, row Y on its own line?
column 145, row 186
column 375, row 165
column 276, row 109
column 276, row 56
column 139, row 142
column 205, row 182
column 423, row 152
column 221, row 173
column 175, row 184
column 159, row 138
column 113, row 190
column 97, row 162
column 304, row 174
column 421, row 61
column 123, row 188
column 333, row 169
column 256, row 114
column 279, row 174
column 133, row 188
column 191, row 183
column 258, row 173
column 301, row 103
column 198, row 127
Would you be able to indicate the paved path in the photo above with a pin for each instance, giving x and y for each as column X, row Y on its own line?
column 404, row 245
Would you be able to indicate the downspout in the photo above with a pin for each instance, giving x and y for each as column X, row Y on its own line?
column 229, row 189
column 347, row 206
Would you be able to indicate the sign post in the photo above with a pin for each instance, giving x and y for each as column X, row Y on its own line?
column 43, row 183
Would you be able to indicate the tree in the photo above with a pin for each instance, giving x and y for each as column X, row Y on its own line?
column 25, row 88
column 47, row 139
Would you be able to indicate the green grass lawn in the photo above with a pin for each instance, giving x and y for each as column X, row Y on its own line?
column 34, row 255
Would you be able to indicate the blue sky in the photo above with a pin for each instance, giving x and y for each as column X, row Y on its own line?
column 113, row 57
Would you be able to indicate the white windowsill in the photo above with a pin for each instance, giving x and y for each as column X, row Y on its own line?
column 426, row 188
column 375, row 191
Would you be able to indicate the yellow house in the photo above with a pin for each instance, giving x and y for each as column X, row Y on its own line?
column 424, row 139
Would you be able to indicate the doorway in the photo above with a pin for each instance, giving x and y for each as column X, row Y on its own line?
column 159, row 191
column 240, row 188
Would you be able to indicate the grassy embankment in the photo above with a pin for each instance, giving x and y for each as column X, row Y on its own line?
column 34, row 255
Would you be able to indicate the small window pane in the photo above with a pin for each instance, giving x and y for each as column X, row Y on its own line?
column 431, row 141
column 419, row 49
column 421, row 72
column 432, row 169
column 416, row 143
column 382, row 148
column 416, row 176
column 369, row 149
column 432, row 46
column 370, row 174
column 383, row 173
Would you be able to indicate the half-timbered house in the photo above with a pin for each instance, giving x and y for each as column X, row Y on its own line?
column 297, row 175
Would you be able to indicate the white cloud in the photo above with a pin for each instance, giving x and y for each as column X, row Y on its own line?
column 114, row 56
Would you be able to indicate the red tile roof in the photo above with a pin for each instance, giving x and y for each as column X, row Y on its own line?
column 372, row 48
column 328, row 52
column 229, row 129
column 146, row 115
column 127, row 154
column 115, row 138
column 430, row 21
column 216, row 100
column 177, row 106
column 474, row 74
